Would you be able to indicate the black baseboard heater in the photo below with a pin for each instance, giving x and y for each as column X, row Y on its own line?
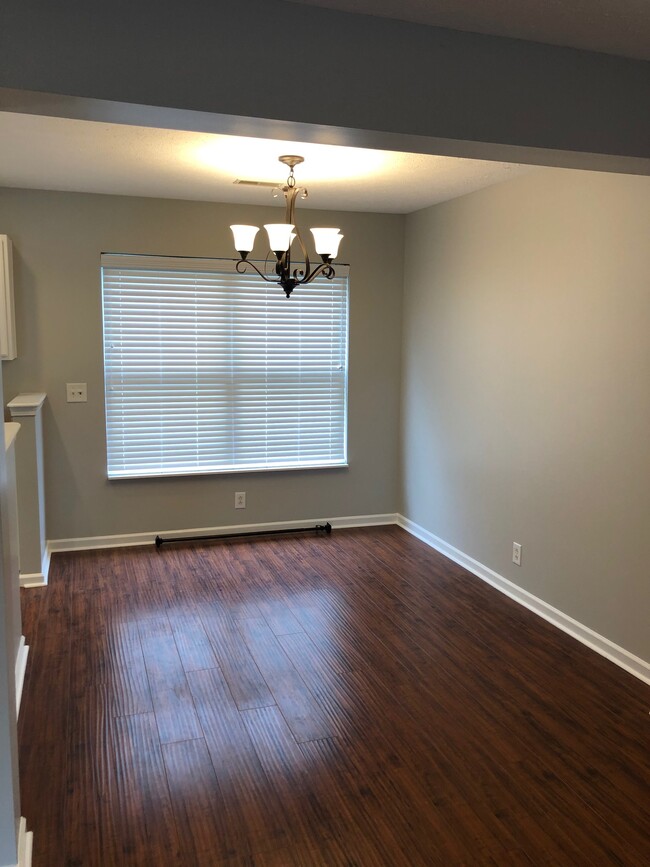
column 318, row 528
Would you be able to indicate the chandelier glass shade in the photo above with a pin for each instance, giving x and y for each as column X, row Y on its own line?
column 281, row 237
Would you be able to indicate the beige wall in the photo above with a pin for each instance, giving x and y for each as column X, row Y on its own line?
column 526, row 392
column 58, row 238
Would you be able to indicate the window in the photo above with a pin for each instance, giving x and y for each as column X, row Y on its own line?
column 212, row 371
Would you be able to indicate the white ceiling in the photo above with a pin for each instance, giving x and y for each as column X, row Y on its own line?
column 55, row 153
column 613, row 26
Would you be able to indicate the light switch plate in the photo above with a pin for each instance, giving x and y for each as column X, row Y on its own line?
column 77, row 392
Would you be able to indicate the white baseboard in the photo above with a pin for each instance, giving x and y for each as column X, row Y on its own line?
column 37, row 579
column 25, row 844
column 33, row 579
column 363, row 521
column 21, row 666
column 131, row 539
column 621, row 657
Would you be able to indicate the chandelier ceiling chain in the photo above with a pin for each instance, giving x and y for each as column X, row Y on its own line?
column 281, row 237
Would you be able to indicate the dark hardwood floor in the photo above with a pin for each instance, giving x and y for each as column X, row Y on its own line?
column 349, row 700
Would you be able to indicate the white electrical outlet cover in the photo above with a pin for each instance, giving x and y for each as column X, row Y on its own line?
column 76, row 392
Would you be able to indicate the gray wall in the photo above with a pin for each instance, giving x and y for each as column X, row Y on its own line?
column 58, row 238
column 526, row 404
column 288, row 62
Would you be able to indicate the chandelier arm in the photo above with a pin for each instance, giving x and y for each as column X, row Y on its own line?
column 291, row 194
column 305, row 254
column 240, row 267
column 325, row 269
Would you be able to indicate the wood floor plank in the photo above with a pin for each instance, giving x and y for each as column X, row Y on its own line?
column 199, row 805
column 300, row 708
column 170, row 692
column 227, row 574
column 327, row 684
column 250, row 797
column 31, row 601
column 309, row 817
column 382, row 744
column 192, row 643
column 264, row 578
column 279, row 617
column 126, row 672
column 149, row 598
column 91, row 832
column 248, row 687
column 47, row 688
column 148, row 832
column 44, row 801
column 358, row 806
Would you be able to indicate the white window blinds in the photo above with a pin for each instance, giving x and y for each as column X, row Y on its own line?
column 211, row 371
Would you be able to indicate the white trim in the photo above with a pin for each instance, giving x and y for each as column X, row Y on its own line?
column 37, row 579
column 616, row 654
column 26, row 404
column 25, row 844
column 131, row 539
column 45, row 562
column 21, row 665
column 231, row 470
column 11, row 432
column 8, row 318
column 33, row 579
column 364, row 521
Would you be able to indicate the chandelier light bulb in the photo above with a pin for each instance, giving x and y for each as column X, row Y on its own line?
column 327, row 241
column 337, row 241
column 280, row 236
column 244, row 238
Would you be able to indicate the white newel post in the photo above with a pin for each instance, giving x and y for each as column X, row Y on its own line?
column 26, row 409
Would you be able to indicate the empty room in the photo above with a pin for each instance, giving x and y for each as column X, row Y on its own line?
column 325, row 346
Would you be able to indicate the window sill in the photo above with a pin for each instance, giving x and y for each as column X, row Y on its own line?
column 156, row 474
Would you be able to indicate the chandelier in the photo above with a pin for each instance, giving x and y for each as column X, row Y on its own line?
column 282, row 235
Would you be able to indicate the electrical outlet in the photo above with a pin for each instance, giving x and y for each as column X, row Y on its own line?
column 516, row 553
column 77, row 392
column 240, row 500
